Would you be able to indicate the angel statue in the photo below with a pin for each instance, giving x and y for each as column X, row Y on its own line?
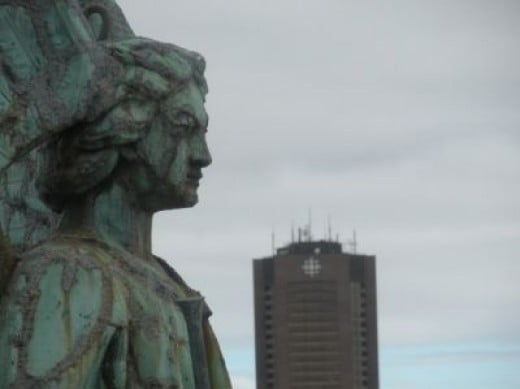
column 99, row 129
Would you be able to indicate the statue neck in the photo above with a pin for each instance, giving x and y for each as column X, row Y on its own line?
column 113, row 216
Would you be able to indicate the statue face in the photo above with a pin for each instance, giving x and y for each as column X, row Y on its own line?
column 175, row 151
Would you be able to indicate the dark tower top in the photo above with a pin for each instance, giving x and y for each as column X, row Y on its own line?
column 321, row 246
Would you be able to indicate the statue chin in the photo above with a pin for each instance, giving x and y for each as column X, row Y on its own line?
column 156, row 202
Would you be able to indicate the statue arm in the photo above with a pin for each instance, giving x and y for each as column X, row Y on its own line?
column 57, row 328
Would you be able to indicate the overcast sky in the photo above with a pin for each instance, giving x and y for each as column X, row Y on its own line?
column 400, row 119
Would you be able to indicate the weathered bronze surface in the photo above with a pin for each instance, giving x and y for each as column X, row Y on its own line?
column 99, row 129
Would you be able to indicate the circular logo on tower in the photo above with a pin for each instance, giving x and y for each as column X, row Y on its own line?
column 312, row 267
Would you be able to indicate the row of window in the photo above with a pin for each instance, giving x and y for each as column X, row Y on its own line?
column 359, row 335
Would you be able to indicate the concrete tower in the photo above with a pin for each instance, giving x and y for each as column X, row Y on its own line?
column 315, row 318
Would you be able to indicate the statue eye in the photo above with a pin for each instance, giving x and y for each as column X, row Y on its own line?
column 185, row 120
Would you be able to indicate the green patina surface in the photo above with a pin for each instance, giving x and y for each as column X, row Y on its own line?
column 99, row 129
column 87, row 314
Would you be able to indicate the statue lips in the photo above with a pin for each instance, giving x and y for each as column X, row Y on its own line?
column 193, row 177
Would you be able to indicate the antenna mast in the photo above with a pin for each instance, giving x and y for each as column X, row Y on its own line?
column 273, row 249
column 353, row 243
column 309, row 226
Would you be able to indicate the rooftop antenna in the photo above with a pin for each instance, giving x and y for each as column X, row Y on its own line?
column 292, row 231
column 329, row 229
column 353, row 243
column 273, row 242
column 309, row 226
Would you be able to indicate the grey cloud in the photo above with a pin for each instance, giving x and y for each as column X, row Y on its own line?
column 398, row 119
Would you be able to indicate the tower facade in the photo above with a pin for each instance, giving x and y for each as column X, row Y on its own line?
column 315, row 318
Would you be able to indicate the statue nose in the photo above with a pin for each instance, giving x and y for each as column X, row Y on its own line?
column 201, row 156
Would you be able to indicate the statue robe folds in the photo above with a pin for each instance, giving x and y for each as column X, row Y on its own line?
column 81, row 314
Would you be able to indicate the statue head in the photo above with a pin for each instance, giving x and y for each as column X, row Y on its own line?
column 153, row 148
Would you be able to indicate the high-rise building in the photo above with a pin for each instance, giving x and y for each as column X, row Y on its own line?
column 315, row 318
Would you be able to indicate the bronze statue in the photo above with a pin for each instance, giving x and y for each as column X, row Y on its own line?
column 102, row 130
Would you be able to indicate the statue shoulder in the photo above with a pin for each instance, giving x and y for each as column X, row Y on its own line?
column 61, row 271
column 189, row 292
column 172, row 273
column 59, row 303
column 65, row 253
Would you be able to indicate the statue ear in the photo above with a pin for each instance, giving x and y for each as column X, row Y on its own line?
column 99, row 19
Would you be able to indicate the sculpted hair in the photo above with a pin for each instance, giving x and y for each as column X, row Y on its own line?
column 84, row 158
